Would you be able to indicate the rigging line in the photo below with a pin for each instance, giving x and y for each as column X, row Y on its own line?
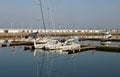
column 50, row 14
column 74, row 15
column 37, row 65
column 42, row 64
column 42, row 15
column 58, row 13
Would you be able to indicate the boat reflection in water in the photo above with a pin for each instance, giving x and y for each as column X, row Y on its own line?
column 47, row 60
column 37, row 51
column 54, row 64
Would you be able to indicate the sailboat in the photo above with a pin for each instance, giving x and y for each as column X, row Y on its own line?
column 42, row 40
column 47, row 43
column 55, row 44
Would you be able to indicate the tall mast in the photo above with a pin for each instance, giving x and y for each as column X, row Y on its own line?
column 43, row 21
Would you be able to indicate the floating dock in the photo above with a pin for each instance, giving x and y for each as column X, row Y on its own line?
column 83, row 47
column 108, row 48
column 16, row 43
column 97, row 48
column 100, row 39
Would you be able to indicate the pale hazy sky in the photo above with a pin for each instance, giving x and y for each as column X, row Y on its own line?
column 84, row 13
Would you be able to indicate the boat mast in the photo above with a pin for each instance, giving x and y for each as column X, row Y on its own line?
column 43, row 21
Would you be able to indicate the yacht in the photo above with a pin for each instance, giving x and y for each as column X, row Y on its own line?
column 53, row 45
column 39, row 45
column 69, row 45
column 106, row 34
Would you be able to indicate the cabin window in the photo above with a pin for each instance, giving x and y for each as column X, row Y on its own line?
column 69, row 43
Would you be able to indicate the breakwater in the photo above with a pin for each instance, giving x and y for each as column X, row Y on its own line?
column 51, row 32
column 66, row 33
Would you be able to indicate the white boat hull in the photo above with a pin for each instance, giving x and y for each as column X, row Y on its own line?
column 70, row 47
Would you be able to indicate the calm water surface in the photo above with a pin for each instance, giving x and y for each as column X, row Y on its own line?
column 16, row 62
